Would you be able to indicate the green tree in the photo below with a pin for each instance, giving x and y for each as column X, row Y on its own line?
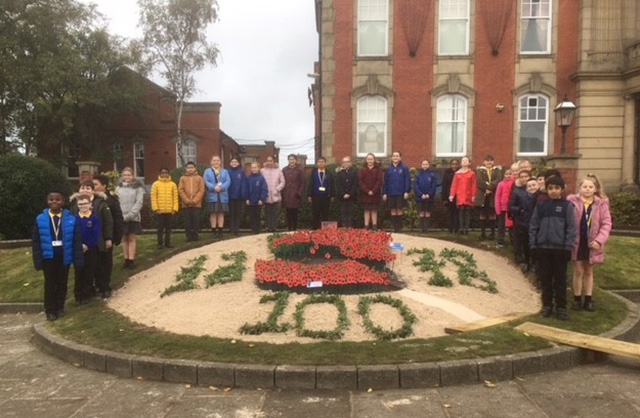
column 175, row 41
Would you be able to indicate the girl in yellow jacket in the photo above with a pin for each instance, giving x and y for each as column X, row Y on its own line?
column 164, row 203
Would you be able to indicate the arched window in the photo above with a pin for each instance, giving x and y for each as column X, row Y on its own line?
column 372, row 126
column 373, row 28
column 451, row 126
column 533, row 122
column 188, row 152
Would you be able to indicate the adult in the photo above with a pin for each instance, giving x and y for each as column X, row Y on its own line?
column 453, row 216
column 370, row 184
column 346, row 190
column 488, row 176
column 216, row 182
column 275, row 183
column 395, row 189
column 236, row 195
column 292, row 191
column 105, row 258
column 130, row 192
column 320, row 193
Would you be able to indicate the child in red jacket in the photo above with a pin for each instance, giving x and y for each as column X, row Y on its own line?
column 463, row 190
column 501, row 206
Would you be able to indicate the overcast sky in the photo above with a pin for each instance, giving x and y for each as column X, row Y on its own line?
column 267, row 49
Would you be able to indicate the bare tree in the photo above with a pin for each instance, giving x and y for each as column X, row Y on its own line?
column 175, row 42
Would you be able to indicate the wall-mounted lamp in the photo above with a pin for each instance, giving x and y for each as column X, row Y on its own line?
column 564, row 116
column 500, row 107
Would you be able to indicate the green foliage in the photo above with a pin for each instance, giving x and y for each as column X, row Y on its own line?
column 467, row 270
column 427, row 262
column 625, row 209
column 230, row 273
column 334, row 334
column 408, row 318
column 25, row 183
column 187, row 277
column 114, row 179
column 281, row 300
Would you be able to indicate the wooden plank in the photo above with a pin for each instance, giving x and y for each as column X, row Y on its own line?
column 484, row 323
column 576, row 339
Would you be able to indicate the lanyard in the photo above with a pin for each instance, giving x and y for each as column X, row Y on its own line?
column 321, row 177
column 55, row 225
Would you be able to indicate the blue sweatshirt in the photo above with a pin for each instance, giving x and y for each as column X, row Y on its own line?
column 255, row 189
column 397, row 180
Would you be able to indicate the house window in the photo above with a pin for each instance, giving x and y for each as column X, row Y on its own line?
column 188, row 152
column 118, row 156
column 453, row 27
column 70, row 154
column 372, row 126
column 451, row 126
column 138, row 159
column 533, row 123
column 535, row 27
column 373, row 27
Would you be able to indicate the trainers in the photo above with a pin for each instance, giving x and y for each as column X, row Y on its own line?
column 52, row 316
column 562, row 314
column 588, row 306
column 546, row 311
column 577, row 305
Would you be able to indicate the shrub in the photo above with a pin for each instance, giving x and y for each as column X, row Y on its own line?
column 625, row 209
column 24, row 185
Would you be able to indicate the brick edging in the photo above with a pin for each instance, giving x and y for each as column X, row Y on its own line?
column 394, row 376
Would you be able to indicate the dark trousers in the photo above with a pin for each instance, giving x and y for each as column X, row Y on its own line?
column 83, row 283
column 164, row 228
column 254, row 218
column 55, row 284
column 272, row 211
column 501, row 227
column 320, row 210
column 235, row 210
column 103, row 271
column 191, row 222
column 522, row 244
column 552, row 272
column 465, row 217
column 292, row 219
column 346, row 214
column 453, row 217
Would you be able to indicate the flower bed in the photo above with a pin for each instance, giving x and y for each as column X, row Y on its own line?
column 353, row 261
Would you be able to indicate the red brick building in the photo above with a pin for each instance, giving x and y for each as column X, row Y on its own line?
column 441, row 79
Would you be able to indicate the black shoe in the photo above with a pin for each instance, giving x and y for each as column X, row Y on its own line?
column 52, row 316
column 132, row 265
column 168, row 245
column 562, row 315
column 106, row 294
column 60, row 313
column 160, row 246
column 80, row 302
column 588, row 306
column 577, row 305
column 526, row 269
column 546, row 311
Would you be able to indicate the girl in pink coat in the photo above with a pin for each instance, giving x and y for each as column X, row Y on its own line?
column 593, row 221
column 501, row 205
column 463, row 191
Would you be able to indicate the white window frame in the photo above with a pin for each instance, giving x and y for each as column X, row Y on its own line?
column 187, row 145
column 536, row 12
column 371, row 111
column 118, row 148
column 451, row 11
column 138, row 155
column 452, row 109
column 373, row 12
column 532, row 114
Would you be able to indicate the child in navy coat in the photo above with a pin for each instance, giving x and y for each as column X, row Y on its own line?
column 424, row 190
column 255, row 192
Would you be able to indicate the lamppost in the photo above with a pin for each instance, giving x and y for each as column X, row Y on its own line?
column 564, row 111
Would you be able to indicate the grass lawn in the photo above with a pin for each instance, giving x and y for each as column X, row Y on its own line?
column 19, row 282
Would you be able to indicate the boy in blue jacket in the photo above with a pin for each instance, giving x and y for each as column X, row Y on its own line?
column 56, row 243
column 424, row 190
column 395, row 189
column 90, row 230
column 255, row 191
column 552, row 234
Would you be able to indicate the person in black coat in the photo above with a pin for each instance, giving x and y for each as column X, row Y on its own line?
column 453, row 217
column 320, row 192
column 346, row 190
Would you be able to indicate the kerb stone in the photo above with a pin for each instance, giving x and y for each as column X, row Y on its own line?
column 336, row 377
column 295, row 377
column 180, row 371
column 458, row 372
column 419, row 375
column 378, row 377
column 255, row 376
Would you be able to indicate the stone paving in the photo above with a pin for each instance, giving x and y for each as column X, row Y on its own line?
column 35, row 384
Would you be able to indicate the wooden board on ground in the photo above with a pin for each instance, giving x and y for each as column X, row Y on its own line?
column 484, row 323
column 576, row 339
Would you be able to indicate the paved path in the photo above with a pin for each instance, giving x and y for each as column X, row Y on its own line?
column 33, row 384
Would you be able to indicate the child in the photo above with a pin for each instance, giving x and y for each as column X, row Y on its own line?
column 463, row 191
column 320, row 192
column 164, row 203
column 395, row 189
column 593, row 222
column 191, row 191
column 346, row 191
column 370, row 184
column 453, row 216
column 256, row 192
column 130, row 191
column 521, row 209
column 237, row 175
column 424, row 190
column 552, row 235
column 519, row 189
column 275, row 182
column 500, row 205
column 217, row 182
column 90, row 229
column 56, row 243
column 487, row 177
